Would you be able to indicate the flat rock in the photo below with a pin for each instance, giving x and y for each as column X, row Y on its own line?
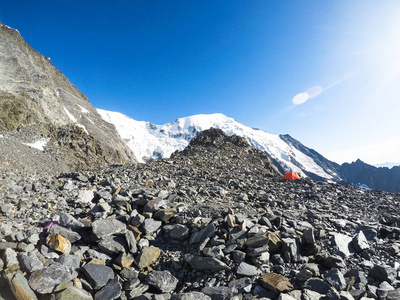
column 360, row 242
column 73, row 293
column 30, row 262
column 107, row 227
column 206, row 263
column 45, row 280
column 112, row 290
column 163, row 281
column 247, row 269
column 275, row 283
column 190, row 296
column 344, row 244
column 335, row 278
column 98, row 275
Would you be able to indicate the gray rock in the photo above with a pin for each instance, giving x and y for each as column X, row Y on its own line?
column 112, row 290
column 48, row 252
column 247, row 269
column 137, row 291
column 131, row 241
column 312, row 295
column 360, row 242
column 309, row 236
column 344, row 244
column 179, row 232
column 335, row 278
column 190, row 296
column 334, row 261
column 317, row 285
column 383, row 273
column 72, row 262
column 150, row 226
column 98, row 275
column 163, row 281
column 113, row 245
column 85, row 196
column 206, row 263
column 72, row 236
column 219, row 292
column 66, row 220
column 45, row 280
column 257, row 240
column 73, row 293
column 30, row 262
column 393, row 295
column 10, row 257
column 107, row 227
column 200, row 236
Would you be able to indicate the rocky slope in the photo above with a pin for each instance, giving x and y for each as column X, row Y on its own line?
column 375, row 178
column 33, row 94
column 212, row 222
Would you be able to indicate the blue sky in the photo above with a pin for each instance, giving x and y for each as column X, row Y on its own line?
column 161, row 60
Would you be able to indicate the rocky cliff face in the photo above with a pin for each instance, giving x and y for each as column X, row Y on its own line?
column 33, row 93
column 384, row 179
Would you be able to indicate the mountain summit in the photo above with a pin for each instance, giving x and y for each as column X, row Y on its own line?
column 152, row 142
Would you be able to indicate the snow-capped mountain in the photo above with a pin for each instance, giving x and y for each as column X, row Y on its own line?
column 152, row 142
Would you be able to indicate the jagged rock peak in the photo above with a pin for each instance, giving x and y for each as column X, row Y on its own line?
column 217, row 138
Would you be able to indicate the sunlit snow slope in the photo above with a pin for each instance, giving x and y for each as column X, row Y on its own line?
column 151, row 142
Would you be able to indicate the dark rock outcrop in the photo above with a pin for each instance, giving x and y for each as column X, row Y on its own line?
column 34, row 94
column 384, row 179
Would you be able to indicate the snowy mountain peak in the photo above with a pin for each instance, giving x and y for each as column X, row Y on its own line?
column 152, row 142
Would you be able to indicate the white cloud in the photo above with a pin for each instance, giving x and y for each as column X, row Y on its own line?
column 381, row 152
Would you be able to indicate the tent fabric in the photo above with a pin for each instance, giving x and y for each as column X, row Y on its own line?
column 292, row 176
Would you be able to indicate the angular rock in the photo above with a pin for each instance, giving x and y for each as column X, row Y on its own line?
column 317, row 285
column 73, row 293
column 30, row 262
column 112, row 290
column 206, row 263
column 344, row 244
column 336, row 279
column 98, row 275
column 45, row 280
column 148, row 256
column 257, row 240
column 163, row 281
column 275, row 283
column 20, row 287
column 10, row 257
column 72, row 262
column 219, row 292
column 179, row 232
column 200, row 236
column 107, row 227
column 247, row 269
column 113, row 245
column 67, row 220
column 150, row 226
column 383, row 273
column 190, row 296
column 72, row 236
column 58, row 243
column 360, row 242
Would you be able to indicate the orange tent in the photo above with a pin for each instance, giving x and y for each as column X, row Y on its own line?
column 292, row 176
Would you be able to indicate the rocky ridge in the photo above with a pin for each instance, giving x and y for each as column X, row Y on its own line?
column 37, row 98
column 213, row 222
